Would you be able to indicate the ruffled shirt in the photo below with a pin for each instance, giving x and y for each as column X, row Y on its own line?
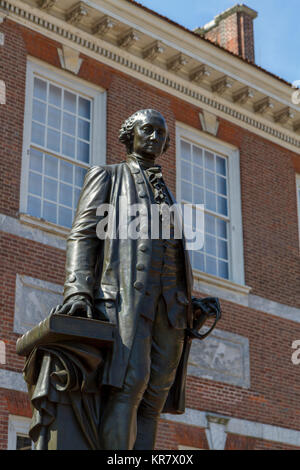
column 155, row 178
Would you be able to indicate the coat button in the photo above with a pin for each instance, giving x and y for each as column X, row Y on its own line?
column 135, row 171
column 72, row 278
column 138, row 285
column 142, row 194
column 143, row 247
column 89, row 280
column 139, row 180
column 140, row 267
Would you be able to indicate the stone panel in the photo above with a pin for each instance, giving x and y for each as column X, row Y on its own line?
column 223, row 357
column 33, row 301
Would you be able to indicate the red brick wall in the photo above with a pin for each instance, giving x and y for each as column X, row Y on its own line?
column 270, row 242
column 13, row 72
column 274, row 393
column 171, row 435
column 235, row 442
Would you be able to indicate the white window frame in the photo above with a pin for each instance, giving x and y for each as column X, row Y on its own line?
column 17, row 425
column 36, row 68
column 235, row 238
column 298, row 202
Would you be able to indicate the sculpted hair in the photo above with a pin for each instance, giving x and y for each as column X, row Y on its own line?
column 126, row 131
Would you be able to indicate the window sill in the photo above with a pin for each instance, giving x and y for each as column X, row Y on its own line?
column 44, row 225
column 223, row 288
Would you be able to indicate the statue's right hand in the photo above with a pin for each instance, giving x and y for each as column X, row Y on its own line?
column 76, row 305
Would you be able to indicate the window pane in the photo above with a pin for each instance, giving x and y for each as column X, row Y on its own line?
column 210, row 224
column 222, row 205
column 65, row 194
column 39, row 111
column 50, row 189
column 211, row 265
column 221, row 228
column 198, row 176
column 197, row 156
column 84, row 108
column 55, row 95
column 198, row 260
column 209, row 161
column 223, row 269
column 79, row 175
column 221, row 165
column 83, row 129
column 35, row 184
column 36, row 160
column 51, row 166
column 210, row 181
column 38, row 134
column 222, row 249
column 198, row 195
column 49, row 212
column 210, row 245
column 221, row 185
column 185, row 150
column 34, row 206
column 54, row 117
column 70, row 102
column 66, row 172
column 69, row 123
column 186, row 171
column 68, row 146
column 186, row 193
column 83, row 151
column 53, row 140
column 210, row 201
column 40, row 89
column 65, row 217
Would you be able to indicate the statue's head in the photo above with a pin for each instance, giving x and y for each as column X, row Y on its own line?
column 145, row 133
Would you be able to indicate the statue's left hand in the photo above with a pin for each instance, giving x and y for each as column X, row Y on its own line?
column 204, row 309
column 210, row 306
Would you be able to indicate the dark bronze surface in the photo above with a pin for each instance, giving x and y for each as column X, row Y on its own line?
column 112, row 399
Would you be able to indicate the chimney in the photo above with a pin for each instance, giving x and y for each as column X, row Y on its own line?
column 233, row 30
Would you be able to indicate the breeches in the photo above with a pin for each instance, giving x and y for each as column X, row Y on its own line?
column 131, row 414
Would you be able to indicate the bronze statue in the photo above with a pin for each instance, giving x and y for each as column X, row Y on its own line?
column 142, row 285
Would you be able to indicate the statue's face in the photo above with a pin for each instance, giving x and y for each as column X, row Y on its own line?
column 150, row 134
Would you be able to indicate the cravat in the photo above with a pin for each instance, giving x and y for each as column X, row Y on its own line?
column 156, row 180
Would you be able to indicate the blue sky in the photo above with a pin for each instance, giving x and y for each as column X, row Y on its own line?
column 276, row 29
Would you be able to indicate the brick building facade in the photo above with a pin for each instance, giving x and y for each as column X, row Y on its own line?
column 72, row 73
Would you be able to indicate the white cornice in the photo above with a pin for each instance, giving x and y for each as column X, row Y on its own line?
column 154, row 74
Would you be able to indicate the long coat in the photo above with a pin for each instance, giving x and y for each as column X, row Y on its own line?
column 106, row 270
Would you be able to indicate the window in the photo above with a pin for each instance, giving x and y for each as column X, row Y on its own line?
column 64, row 125
column 208, row 174
column 18, row 438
